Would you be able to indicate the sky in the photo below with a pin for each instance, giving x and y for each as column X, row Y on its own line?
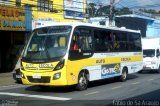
column 133, row 4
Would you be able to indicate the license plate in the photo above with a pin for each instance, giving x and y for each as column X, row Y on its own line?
column 36, row 76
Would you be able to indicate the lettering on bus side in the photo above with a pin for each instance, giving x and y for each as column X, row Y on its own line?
column 126, row 59
column 100, row 61
column 110, row 70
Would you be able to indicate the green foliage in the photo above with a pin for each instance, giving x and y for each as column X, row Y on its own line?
column 92, row 9
column 150, row 11
column 124, row 11
column 105, row 10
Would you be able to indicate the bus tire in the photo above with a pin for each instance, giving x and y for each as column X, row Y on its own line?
column 82, row 81
column 140, row 71
column 123, row 77
column 158, row 70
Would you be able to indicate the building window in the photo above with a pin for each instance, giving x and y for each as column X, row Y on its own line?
column 18, row 3
column 45, row 5
column 4, row 1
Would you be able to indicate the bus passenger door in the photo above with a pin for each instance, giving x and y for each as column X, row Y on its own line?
column 81, row 44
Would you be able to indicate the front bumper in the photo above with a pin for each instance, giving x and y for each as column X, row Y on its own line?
column 150, row 67
column 44, row 78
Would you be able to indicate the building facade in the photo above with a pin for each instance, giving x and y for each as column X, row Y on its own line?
column 57, row 10
column 149, row 27
column 14, row 25
column 16, row 18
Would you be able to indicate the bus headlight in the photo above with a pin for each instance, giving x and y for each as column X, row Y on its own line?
column 56, row 76
column 59, row 66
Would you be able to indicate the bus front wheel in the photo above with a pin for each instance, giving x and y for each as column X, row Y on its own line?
column 82, row 81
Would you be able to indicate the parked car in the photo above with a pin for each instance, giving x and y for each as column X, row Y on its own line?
column 16, row 75
column 16, row 72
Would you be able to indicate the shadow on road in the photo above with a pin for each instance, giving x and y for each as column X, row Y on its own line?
column 62, row 89
column 148, row 72
column 147, row 99
column 65, row 89
column 109, row 81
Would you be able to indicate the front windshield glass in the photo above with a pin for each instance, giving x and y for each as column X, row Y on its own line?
column 47, row 43
column 149, row 53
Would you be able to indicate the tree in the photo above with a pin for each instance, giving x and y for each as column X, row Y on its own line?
column 103, row 11
column 91, row 9
column 124, row 11
column 150, row 11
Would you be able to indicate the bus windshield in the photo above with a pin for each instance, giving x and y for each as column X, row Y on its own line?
column 149, row 53
column 47, row 43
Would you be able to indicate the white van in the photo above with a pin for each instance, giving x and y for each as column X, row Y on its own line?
column 151, row 54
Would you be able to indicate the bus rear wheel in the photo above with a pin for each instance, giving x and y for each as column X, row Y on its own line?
column 82, row 82
column 123, row 77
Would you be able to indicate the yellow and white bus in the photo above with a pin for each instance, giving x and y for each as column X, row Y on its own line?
column 77, row 53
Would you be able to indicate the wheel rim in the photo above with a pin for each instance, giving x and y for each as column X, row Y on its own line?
column 124, row 75
column 83, row 81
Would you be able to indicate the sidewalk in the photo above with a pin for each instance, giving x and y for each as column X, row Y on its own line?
column 6, row 79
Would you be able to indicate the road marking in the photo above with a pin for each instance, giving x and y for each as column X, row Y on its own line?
column 132, row 89
column 92, row 93
column 135, row 83
column 35, row 96
column 150, row 79
column 116, row 87
column 13, row 86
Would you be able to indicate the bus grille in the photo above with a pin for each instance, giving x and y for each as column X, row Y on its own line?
column 45, row 79
column 37, row 69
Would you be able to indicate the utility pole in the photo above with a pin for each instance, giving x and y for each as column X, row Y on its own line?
column 111, row 15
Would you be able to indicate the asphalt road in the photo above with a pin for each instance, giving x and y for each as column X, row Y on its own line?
column 139, row 90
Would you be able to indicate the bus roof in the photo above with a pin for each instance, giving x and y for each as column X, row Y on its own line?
column 74, row 24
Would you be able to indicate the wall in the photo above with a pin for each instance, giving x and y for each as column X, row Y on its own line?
column 12, row 18
column 153, row 29
column 58, row 11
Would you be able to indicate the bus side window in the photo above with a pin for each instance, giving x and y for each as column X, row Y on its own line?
column 82, row 40
column 116, row 44
column 76, row 45
column 108, row 42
